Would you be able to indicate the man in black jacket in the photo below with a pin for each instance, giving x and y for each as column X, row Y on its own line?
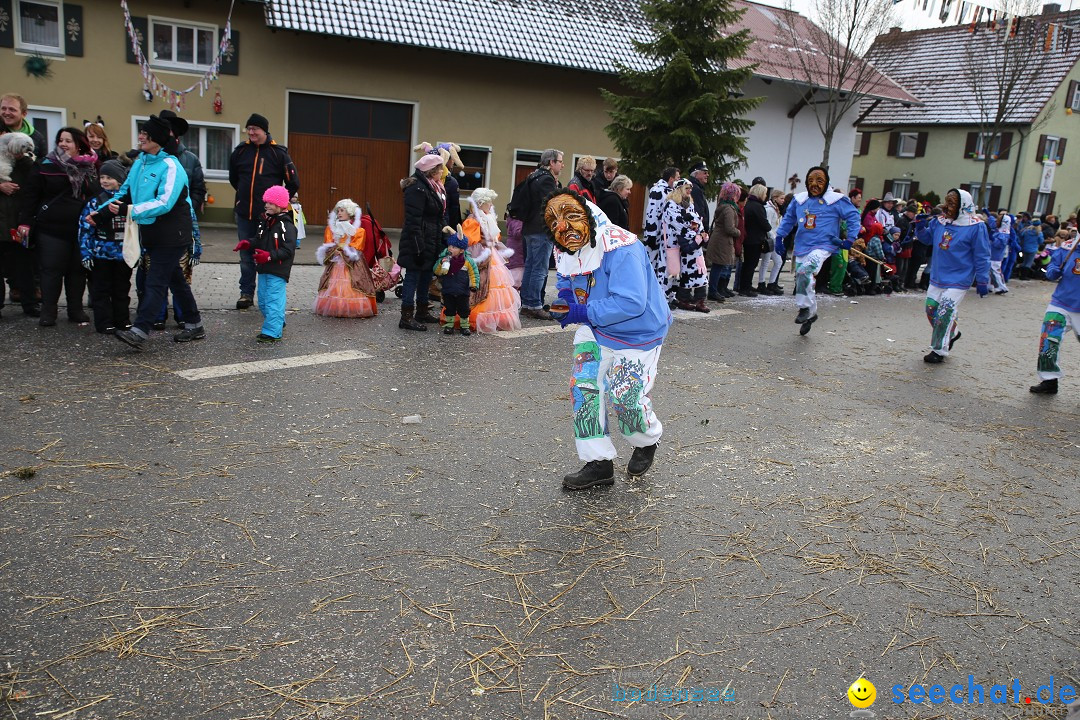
column 699, row 177
column 256, row 166
column 538, row 244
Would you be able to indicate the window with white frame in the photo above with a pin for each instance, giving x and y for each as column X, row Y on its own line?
column 858, row 143
column 901, row 189
column 907, row 144
column 1050, row 149
column 852, row 183
column 477, row 162
column 182, row 45
column 39, row 26
column 976, row 190
column 212, row 143
column 1042, row 202
column 1074, row 101
column 984, row 144
column 525, row 161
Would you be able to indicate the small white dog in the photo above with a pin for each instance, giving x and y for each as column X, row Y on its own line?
column 13, row 145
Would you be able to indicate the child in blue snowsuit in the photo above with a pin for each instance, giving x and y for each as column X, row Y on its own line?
column 101, row 247
column 1062, row 313
column 273, row 249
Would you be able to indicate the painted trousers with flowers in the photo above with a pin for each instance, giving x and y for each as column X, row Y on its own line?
column 941, row 305
column 1056, row 323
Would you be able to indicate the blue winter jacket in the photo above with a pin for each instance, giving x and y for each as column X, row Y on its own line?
column 105, row 239
column 818, row 221
column 1067, row 294
column 1030, row 238
column 627, row 308
column 961, row 253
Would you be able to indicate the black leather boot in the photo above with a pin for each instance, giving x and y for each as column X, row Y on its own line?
column 595, row 472
column 641, row 460
column 407, row 322
column 423, row 314
column 1046, row 387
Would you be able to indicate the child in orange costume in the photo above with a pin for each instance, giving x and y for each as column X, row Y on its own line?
column 496, row 305
column 346, row 288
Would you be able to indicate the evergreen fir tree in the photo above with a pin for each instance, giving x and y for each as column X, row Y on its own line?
column 684, row 110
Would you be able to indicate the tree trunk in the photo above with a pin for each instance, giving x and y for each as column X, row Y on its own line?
column 984, row 193
column 825, row 152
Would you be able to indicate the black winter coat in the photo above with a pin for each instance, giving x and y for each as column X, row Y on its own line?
column 697, row 192
column 10, row 204
column 453, row 201
column 757, row 224
column 254, row 169
column 277, row 236
column 48, row 205
column 421, row 232
column 617, row 209
column 541, row 184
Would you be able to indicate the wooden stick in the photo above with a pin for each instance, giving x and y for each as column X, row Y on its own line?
column 887, row 270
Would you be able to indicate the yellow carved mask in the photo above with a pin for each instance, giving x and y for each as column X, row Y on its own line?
column 569, row 222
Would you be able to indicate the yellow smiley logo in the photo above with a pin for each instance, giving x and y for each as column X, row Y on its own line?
column 862, row 693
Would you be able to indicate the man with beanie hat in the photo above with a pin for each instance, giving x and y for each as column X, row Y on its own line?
column 256, row 166
column 156, row 189
column 102, row 249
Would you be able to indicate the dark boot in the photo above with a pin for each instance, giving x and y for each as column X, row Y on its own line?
column 933, row 358
column 423, row 314
column 685, row 305
column 641, row 460
column 761, row 288
column 807, row 325
column 407, row 322
column 1046, row 387
column 595, row 472
column 701, row 307
column 803, row 316
column 722, row 287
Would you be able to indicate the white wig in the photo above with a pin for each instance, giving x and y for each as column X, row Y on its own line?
column 483, row 195
column 348, row 206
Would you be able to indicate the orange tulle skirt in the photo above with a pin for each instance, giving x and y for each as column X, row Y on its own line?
column 501, row 308
column 341, row 299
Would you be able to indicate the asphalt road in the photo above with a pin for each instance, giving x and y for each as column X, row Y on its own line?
column 277, row 544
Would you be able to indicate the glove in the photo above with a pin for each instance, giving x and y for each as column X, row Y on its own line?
column 88, row 263
column 568, row 295
column 846, row 244
column 261, row 257
column 578, row 314
column 194, row 260
column 242, row 245
column 982, row 289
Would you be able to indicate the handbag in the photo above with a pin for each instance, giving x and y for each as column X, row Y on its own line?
column 381, row 278
column 132, row 246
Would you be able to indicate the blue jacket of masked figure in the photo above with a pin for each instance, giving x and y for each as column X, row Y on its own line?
column 999, row 245
column 1067, row 294
column 961, row 253
column 626, row 307
column 817, row 220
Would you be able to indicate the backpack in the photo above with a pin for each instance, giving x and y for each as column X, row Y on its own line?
column 520, row 206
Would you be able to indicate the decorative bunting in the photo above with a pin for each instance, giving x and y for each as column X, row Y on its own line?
column 174, row 97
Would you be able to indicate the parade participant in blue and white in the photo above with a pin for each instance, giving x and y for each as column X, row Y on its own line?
column 1062, row 313
column 999, row 245
column 816, row 215
column 608, row 286
column 961, row 255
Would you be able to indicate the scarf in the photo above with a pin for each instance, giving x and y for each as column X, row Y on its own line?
column 489, row 227
column 81, row 170
column 439, row 188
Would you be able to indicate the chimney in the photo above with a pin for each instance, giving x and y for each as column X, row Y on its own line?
column 1050, row 8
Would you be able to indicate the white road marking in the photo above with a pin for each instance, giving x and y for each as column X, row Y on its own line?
column 693, row 315
column 258, row 366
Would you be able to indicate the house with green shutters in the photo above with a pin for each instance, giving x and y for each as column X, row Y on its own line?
column 938, row 145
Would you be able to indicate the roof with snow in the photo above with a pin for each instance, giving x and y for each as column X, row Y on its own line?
column 928, row 62
column 536, row 31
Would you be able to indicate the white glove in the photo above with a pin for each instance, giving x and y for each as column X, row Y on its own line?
column 88, row 263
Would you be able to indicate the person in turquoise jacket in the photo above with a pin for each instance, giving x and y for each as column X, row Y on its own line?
column 816, row 216
column 961, row 245
column 1062, row 313
column 606, row 284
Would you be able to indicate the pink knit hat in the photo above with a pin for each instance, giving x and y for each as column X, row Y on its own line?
column 277, row 195
column 428, row 162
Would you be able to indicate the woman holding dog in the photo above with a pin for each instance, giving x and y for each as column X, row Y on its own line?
column 56, row 193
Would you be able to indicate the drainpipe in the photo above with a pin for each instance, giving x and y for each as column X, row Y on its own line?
column 1016, row 171
column 787, row 160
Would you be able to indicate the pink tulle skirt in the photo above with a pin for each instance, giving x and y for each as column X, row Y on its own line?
column 340, row 299
column 500, row 309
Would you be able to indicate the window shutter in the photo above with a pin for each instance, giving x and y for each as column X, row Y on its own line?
column 995, row 198
column 73, row 30
column 864, row 147
column 969, row 146
column 966, row 187
column 887, row 188
column 860, row 182
column 1032, row 197
column 1006, row 144
column 914, row 189
column 142, row 31
column 1041, row 151
column 920, row 146
column 230, row 62
column 894, row 141
column 7, row 30
column 1050, row 203
column 1061, row 150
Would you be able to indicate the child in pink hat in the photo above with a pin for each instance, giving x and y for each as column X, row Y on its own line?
column 273, row 249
